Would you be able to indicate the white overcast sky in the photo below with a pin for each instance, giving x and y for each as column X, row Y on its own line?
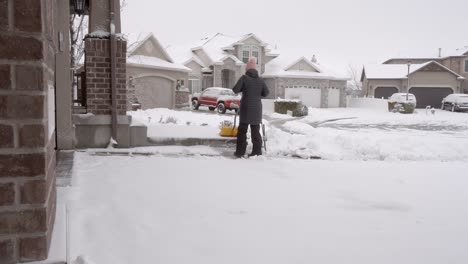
column 338, row 32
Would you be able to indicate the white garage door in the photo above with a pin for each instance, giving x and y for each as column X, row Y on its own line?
column 333, row 98
column 154, row 92
column 308, row 96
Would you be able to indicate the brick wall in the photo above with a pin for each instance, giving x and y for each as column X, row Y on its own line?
column 98, row 76
column 27, row 147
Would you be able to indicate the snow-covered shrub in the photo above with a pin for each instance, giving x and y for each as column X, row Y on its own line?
column 282, row 106
column 168, row 120
column 301, row 110
column 298, row 109
column 225, row 123
column 404, row 108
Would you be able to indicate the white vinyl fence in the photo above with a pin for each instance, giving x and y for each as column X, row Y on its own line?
column 364, row 102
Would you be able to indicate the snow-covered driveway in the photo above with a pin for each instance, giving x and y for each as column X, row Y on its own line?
column 336, row 134
column 217, row 210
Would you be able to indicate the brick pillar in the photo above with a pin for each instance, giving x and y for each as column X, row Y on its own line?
column 98, row 76
column 27, row 140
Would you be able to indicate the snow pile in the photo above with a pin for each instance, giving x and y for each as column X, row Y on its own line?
column 82, row 260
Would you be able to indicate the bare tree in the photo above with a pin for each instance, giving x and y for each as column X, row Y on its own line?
column 354, row 85
column 78, row 29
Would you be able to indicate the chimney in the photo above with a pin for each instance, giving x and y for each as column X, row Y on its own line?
column 440, row 52
column 314, row 59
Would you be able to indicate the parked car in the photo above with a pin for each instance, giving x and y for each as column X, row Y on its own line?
column 402, row 102
column 455, row 102
column 221, row 99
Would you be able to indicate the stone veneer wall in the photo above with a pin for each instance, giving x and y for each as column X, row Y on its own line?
column 98, row 76
column 27, row 147
column 182, row 99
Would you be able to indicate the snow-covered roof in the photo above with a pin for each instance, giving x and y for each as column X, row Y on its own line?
column 397, row 71
column 272, row 51
column 234, row 58
column 216, row 46
column 459, row 52
column 182, row 54
column 278, row 67
column 430, row 54
column 155, row 63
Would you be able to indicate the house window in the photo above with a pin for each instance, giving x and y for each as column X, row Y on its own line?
column 250, row 51
column 255, row 52
column 245, row 56
column 180, row 84
column 194, row 85
column 466, row 65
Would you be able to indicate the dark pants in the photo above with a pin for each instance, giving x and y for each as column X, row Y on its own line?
column 242, row 139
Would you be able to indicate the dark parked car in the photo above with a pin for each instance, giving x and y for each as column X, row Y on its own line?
column 221, row 99
column 455, row 102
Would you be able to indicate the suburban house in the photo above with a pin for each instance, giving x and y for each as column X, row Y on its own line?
column 153, row 76
column 306, row 80
column 430, row 78
column 219, row 61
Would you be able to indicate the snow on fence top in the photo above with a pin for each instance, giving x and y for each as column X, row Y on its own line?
column 288, row 100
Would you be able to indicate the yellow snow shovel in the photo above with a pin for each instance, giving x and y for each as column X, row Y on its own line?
column 228, row 129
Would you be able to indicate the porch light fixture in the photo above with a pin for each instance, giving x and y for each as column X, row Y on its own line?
column 79, row 6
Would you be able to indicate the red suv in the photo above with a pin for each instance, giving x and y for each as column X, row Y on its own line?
column 221, row 99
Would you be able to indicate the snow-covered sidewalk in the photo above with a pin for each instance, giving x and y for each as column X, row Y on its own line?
column 217, row 210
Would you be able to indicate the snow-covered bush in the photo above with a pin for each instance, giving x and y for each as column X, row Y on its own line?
column 298, row 109
column 168, row 120
column 301, row 110
column 225, row 123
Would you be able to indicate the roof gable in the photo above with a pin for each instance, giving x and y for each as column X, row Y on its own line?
column 151, row 47
column 434, row 66
column 249, row 38
column 303, row 64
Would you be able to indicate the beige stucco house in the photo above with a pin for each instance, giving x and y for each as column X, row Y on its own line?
column 219, row 61
column 431, row 78
column 153, row 75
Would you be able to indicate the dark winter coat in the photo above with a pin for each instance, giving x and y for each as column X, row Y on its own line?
column 253, row 88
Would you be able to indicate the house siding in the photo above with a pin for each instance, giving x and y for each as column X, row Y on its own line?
column 271, row 84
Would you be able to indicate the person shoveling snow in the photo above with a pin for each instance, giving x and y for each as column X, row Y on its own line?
column 253, row 88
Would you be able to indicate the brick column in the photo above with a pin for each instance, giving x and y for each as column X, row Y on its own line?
column 98, row 76
column 27, row 140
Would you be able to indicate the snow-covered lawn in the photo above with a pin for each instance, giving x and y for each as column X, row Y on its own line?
column 335, row 134
column 205, row 210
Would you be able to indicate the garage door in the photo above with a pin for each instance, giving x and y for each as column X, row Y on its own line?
column 154, row 92
column 384, row 92
column 309, row 96
column 432, row 96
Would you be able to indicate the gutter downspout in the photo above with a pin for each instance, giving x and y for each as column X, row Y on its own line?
column 113, row 69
